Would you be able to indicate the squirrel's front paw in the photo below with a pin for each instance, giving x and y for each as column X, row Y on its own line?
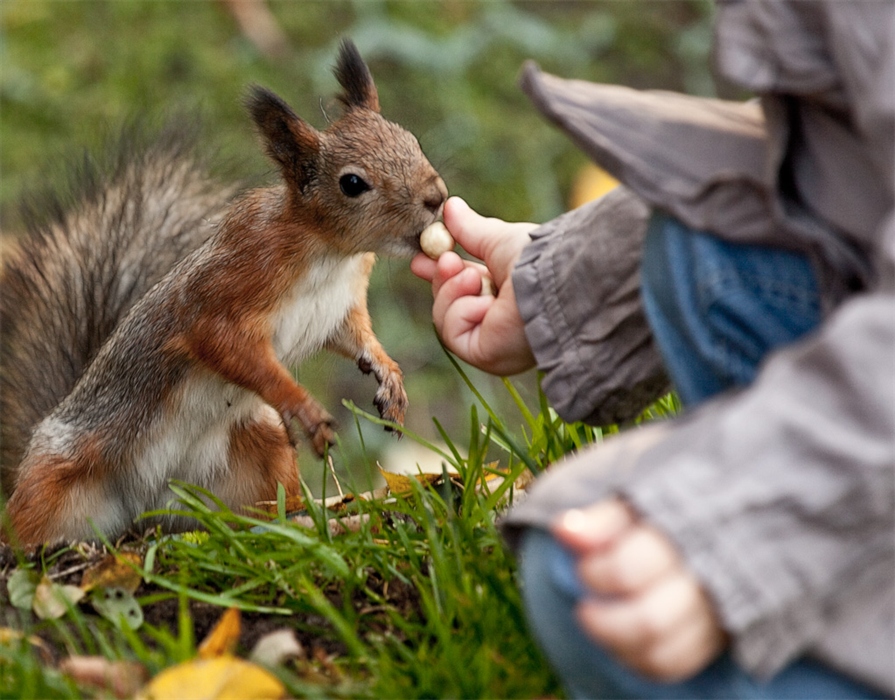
column 323, row 436
column 316, row 423
column 391, row 400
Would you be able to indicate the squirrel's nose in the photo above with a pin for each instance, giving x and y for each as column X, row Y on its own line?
column 435, row 195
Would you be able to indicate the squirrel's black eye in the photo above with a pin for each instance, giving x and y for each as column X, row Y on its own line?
column 352, row 185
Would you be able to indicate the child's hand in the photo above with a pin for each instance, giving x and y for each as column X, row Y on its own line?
column 648, row 610
column 485, row 331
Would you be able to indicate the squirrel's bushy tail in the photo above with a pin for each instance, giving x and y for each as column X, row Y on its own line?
column 93, row 248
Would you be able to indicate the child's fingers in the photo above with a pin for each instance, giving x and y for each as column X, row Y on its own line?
column 423, row 266
column 469, row 228
column 633, row 562
column 682, row 655
column 462, row 325
column 668, row 635
column 449, row 287
column 495, row 241
column 446, row 268
column 629, row 626
column 628, row 623
column 588, row 529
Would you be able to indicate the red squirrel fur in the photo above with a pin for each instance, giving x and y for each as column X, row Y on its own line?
column 192, row 384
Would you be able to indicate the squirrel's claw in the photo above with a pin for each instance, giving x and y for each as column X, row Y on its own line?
column 323, row 437
column 391, row 401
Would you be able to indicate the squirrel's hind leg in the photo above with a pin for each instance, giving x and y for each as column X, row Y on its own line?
column 57, row 499
column 260, row 458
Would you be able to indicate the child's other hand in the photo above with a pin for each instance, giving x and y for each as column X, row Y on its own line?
column 647, row 609
column 485, row 331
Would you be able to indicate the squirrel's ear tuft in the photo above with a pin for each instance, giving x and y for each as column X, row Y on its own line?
column 355, row 78
column 290, row 141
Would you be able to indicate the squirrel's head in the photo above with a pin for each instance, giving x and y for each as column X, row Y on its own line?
column 363, row 181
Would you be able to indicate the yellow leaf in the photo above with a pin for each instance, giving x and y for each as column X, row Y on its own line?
column 221, row 678
column 397, row 483
column 223, row 637
column 591, row 183
column 10, row 637
column 120, row 570
column 403, row 483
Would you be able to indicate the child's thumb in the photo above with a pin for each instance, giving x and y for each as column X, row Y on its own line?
column 469, row 228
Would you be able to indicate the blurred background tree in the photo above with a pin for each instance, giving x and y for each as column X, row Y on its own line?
column 71, row 71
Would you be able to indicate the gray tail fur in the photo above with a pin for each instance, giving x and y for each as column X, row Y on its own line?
column 93, row 248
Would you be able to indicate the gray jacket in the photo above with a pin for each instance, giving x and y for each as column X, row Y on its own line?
column 780, row 497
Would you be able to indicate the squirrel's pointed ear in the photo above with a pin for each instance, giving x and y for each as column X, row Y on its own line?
column 355, row 78
column 290, row 141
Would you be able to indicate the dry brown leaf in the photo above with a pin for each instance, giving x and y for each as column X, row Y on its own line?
column 223, row 636
column 121, row 678
column 524, row 480
column 220, row 678
column 120, row 570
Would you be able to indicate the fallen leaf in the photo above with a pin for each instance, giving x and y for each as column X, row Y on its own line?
column 121, row 678
column 22, row 584
column 122, row 570
column 403, row 483
column 223, row 636
column 52, row 600
column 9, row 637
column 275, row 648
column 220, row 678
column 118, row 606
column 524, row 480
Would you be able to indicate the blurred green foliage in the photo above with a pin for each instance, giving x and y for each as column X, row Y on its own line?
column 70, row 71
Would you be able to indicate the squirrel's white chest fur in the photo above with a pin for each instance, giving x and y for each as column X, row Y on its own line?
column 315, row 307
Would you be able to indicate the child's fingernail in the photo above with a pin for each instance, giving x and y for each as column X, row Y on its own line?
column 574, row 521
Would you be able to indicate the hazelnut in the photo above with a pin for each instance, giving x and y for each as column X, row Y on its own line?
column 436, row 240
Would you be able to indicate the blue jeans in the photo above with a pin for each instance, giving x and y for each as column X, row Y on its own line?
column 716, row 309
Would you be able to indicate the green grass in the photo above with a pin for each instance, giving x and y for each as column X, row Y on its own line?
column 420, row 601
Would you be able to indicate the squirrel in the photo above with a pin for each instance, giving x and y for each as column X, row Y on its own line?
column 147, row 333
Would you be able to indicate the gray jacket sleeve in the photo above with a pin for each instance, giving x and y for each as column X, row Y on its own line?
column 578, row 290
